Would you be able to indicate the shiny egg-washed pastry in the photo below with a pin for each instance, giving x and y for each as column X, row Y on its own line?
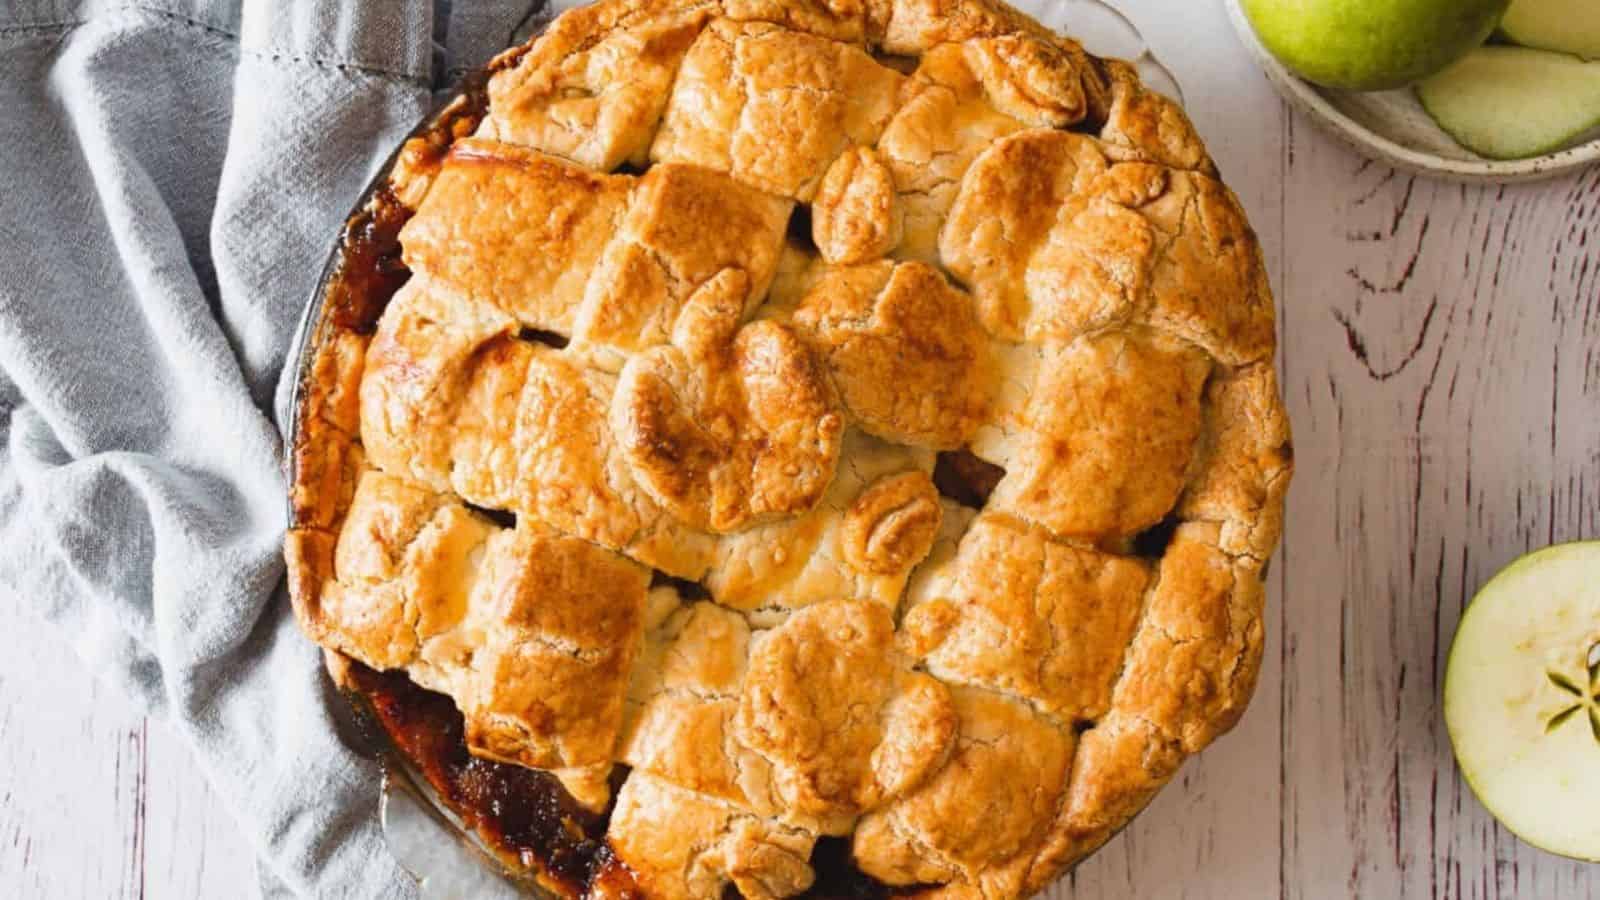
column 810, row 424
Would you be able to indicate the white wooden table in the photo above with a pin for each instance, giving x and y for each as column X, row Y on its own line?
column 1440, row 347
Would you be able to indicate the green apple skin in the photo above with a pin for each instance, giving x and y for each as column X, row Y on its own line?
column 1371, row 45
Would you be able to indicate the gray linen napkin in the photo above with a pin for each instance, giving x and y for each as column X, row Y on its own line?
column 173, row 173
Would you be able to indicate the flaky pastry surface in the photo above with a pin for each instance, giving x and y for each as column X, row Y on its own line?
column 648, row 464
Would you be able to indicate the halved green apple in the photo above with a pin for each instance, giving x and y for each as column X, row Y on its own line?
column 1512, row 102
column 1522, row 698
column 1566, row 26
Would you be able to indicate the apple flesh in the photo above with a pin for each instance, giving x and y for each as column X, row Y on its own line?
column 1512, row 102
column 1565, row 26
column 1522, row 698
column 1369, row 45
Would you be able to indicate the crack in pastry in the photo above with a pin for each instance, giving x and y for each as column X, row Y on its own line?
column 854, row 217
column 983, row 809
column 772, row 107
column 728, row 426
column 875, row 522
column 1013, row 200
column 1019, row 613
column 961, row 99
column 839, row 715
column 1210, row 285
column 453, row 401
column 1103, row 444
column 594, row 86
column 916, row 27
column 1192, row 664
column 682, row 845
column 904, row 349
column 681, row 704
column 757, row 719
column 1190, row 669
column 684, row 226
column 516, row 229
column 1144, row 124
column 850, row 21
column 1057, row 240
column 1243, row 466
column 533, row 633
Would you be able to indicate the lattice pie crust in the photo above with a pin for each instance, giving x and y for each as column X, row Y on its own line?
column 638, row 465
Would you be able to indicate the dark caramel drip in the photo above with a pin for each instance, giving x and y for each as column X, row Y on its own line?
column 527, row 817
column 837, row 875
column 524, row 814
column 370, row 270
column 965, row 478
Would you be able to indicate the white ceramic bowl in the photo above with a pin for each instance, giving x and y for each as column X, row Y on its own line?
column 1392, row 127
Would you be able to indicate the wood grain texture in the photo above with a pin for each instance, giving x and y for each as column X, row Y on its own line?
column 1440, row 350
column 97, row 801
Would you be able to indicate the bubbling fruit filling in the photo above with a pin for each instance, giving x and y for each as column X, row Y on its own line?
column 526, row 818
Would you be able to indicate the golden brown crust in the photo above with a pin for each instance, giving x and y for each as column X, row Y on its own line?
column 759, row 414
column 1104, row 444
column 773, row 107
column 1149, row 125
column 861, row 541
column 686, row 846
column 981, row 810
column 1020, row 613
column 892, row 524
column 684, row 227
column 516, row 229
column 565, row 622
column 1210, row 286
column 453, row 401
column 532, row 632
column 839, row 715
column 916, row 26
column 1244, row 463
column 961, row 99
column 594, row 84
column 681, row 705
column 854, row 217
column 904, row 349
column 850, row 21
column 327, row 454
column 1117, row 243
column 1192, row 665
column 1188, row 675
column 728, row 429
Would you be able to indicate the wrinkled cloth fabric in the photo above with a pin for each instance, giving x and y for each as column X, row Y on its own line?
column 174, row 174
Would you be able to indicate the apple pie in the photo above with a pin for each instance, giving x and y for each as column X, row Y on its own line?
column 794, row 448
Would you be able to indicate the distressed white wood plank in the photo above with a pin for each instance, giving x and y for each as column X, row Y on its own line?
column 1427, row 333
column 72, row 773
column 95, row 800
column 193, row 846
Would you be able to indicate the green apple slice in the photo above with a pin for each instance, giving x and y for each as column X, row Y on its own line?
column 1566, row 26
column 1512, row 102
column 1522, row 698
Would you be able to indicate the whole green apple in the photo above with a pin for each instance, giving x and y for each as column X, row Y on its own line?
column 1371, row 45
